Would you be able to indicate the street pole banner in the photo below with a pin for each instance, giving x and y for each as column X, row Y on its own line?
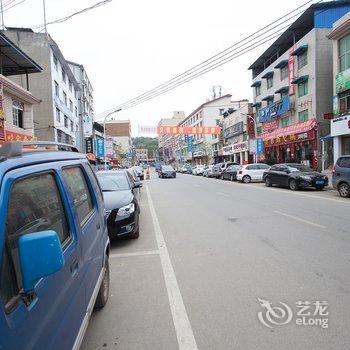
column 188, row 130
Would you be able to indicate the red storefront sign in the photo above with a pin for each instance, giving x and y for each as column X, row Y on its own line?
column 14, row 136
column 291, row 71
column 250, row 126
column 188, row 130
column 305, row 136
column 2, row 130
column 270, row 125
column 328, row 116
column 290, row 130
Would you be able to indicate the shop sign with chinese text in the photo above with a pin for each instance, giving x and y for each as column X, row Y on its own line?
column 274, row 110
column 188, row 130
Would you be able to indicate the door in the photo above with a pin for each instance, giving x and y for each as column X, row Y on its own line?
column 88, row 219
column 35, row 201
column 254, row 171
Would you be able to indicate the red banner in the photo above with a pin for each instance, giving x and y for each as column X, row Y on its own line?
column 291, row 71
column 14, row 136
column 290, row 130
column 188, row 130
column 270, row 125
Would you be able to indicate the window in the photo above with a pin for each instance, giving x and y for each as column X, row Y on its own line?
column 70, row 86
column 285, row 122
column 269, row 101
column 303, row 89
column 302, row 60
column 284, row 72
column 66, row 121
column 67, row 139
column 58, row 115
column 76, row 111
column 57, row 89
column 257, row 90
column 303, row 116
column 269, row 82
column 65, row 98
column 344, row 102
column 79, row 191
column 344, row 162
column 55, row 62
column 252, row 167
column 344, row 53
column 263, row 166
column 35, row 205
column 244, row 137
column 221, row 111
column 71, row 105
column 63, row 76
column 71, row 126
column 59, row 136
column 17, row 113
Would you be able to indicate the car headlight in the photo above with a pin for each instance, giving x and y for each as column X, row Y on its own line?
column 127, row 210
column 306, row 177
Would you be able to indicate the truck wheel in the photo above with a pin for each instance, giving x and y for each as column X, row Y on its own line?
column 103, row 293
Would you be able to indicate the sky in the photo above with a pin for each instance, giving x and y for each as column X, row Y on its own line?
column 129, row 47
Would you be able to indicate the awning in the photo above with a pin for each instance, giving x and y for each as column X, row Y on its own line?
column 13, row 60
column 267, row 75
column 292, row 129
column 300, row 50
column 327, row 137
column 300, row 80
column 256, row 104
column 281, row 64
column 282, row 89
column 256, row 83
column 268, row 98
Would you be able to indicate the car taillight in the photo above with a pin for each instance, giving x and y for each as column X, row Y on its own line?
column 240, row 172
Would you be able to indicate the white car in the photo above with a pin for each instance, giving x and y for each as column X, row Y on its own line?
column 252, row 172
column 198, row 170
column 208, row 171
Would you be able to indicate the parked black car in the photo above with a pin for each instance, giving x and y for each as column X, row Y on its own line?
column 230, row 173
column 220, row 167
column 122, row 208
column 294, row 176
column 341, row 176
column 166, row 171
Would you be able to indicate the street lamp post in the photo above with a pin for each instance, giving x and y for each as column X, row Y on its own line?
column 104, row 135
column 255, row 134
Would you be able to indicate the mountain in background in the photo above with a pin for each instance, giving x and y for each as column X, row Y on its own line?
column 150, row 143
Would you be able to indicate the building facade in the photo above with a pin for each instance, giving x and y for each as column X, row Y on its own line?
column 120, row 132
column 56, row 118
column 340, row 125
column 141, row 154
column 292, row 87
column 85, row 104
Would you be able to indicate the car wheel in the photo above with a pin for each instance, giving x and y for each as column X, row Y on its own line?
column 103, row 293
column 174, row 176
column 268, row 182
column 246, row 179
column 319, row 188
column 293, row 185
column 344, row 190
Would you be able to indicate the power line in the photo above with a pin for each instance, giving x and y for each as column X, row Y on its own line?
column 220, row 55
column 13, row 5
column 66, row 18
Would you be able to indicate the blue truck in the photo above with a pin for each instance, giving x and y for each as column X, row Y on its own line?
column 54, row 246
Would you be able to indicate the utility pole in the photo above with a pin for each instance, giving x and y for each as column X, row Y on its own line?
column 44, row 8
column 2, row 16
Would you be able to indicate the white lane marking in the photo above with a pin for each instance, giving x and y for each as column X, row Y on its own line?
column 140, row 253
column 183, row 329
column 196, row 185
column 300, row 219
column 223, row 194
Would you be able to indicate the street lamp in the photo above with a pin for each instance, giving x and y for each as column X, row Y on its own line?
column 255, row 134
column 104, row 134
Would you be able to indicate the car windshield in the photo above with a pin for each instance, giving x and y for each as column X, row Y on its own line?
column 167, row 168
column 298, row 167
column 115, row 182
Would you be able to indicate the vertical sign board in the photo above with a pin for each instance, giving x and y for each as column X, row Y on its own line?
column 88, row 145
column 190, row 145
column 109, row 149
column 291, row 71
column 259, row 146
column 100, row 151
column 2, row 126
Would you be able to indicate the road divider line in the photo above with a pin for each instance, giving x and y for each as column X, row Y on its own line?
column 223, row 194
column 183, row 329
column 300, row 219
column 140, row 253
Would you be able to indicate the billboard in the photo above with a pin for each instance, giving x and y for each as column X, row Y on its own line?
column 274, row 110
column 87, row 125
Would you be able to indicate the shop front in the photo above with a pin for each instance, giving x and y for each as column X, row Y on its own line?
column 295, row 143
column 237, row 152
column 340, row 131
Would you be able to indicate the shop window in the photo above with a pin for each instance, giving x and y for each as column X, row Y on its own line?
column 284, row 72
column 303, row 116
column 344, row 53
column 58, row 115
column 257, row 90
column 302, row 60
column 285, row 122
column 221, row 111
column 345, row 146
column 303, row 89
column 344, row 102
column 269, row 102
column 259, row 130
column 17, row 113
column 269, row 82
column 59, row 136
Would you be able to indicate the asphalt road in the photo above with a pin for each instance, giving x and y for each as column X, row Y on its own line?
column 209, row 250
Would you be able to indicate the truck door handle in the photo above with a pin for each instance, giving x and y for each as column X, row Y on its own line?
column 74, row 267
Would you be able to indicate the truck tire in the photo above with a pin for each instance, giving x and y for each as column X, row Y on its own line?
column 103, row 293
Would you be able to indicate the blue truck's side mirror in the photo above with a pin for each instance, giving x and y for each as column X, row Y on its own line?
column 40, row 255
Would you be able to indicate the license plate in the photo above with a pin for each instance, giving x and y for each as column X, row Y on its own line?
column 319, row 182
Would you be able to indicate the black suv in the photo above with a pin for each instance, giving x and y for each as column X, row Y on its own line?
column 341, row 176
